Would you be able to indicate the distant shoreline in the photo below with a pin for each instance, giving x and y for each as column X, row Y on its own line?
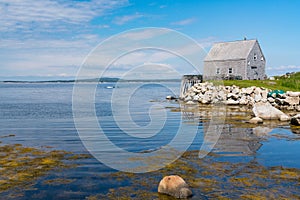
column 102, row 80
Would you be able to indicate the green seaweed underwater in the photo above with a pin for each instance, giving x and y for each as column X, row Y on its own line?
column 210, row 179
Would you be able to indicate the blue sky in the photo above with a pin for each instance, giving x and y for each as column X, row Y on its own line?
column 50, row 39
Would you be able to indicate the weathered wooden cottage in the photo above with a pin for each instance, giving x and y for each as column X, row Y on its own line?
column 235, row 60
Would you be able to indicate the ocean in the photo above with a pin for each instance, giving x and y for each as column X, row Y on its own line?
column 135, row 117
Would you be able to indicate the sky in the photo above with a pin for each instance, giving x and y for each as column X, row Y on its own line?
column 52, row 39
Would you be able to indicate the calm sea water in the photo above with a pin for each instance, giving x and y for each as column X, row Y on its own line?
column 41, row 115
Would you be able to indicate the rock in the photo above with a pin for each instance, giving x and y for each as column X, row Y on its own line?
column 206, row 98
column 291, row 100
column 236, row 90
column 293, row 94
column 232, row 102
column 195, row 90
column 190, row 103
column 174, row 186
column 188, row 98
column 279, row 101
column 281, row 96
column 274, row 95
column 171, row 97
column 267, row 111
column 256, row 120
column 295, row 120
column 249, row 90
column 232, row 96
column 264, row 94
column 243, row 100
column 257, row 97
column 271, row 99
column 257, row 91
column 284, row 118
column 196, row 98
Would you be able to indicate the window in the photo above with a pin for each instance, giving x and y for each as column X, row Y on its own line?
column 218, row 71
column 255, row 57
column 253, row 67
column 230, row 70
column 262, row 58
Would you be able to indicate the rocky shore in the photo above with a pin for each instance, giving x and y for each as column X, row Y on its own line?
column 266, row 104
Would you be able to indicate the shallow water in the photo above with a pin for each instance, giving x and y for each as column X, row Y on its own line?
column 39, row 115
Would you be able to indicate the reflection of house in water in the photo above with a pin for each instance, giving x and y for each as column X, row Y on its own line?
column 224, row 138
column 236, row 141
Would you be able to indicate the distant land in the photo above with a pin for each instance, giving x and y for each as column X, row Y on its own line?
column 104, row 79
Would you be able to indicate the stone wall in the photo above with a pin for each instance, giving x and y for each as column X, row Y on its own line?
column 207, row 93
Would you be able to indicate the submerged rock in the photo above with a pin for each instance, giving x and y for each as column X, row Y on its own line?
column 174, row 186
column 256, row 120
column 170, row 97
column 295, row 120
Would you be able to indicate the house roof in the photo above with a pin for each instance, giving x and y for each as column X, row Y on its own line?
column 230, row 50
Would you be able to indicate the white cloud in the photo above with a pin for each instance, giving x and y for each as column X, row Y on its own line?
column 280, row 70
column 45, row 56
column 208, row 42
column 140, row 34
column 124, row 19
column 21, row 14
column 184, row 22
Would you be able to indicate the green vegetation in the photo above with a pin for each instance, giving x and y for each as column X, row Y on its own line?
column 210, row 178
column 21, row 166
column 286, row 83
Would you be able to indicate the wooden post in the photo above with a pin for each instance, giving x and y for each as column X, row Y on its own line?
column 187, row 82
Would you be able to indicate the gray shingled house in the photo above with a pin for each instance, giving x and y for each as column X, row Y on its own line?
column 235, row 60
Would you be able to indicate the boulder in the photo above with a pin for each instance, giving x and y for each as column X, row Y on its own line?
column 249, row 90
column 190, row 103
column 264, row 94
column 256, row 120
column 257, row 97
column 293, row 94
column 174, row 186
column 243, row 100
column 196, row 98
column 257, row 91
column 232, row 102
column 284, row 118
column 265, row 110
column 271, row 99
column 295, row 120
column 171, row 97
column 236, row 90
column 188, row 98
column 291, row 100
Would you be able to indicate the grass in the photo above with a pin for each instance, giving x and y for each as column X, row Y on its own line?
column 291, row 83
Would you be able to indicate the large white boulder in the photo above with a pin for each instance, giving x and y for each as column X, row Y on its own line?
column 265, row 110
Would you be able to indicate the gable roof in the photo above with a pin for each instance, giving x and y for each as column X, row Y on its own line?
column 230, row 50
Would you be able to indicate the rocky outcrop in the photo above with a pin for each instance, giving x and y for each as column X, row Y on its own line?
column 208, row 93
column 174, row 186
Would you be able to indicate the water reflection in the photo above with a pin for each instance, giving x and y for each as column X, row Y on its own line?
column 237, row 138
